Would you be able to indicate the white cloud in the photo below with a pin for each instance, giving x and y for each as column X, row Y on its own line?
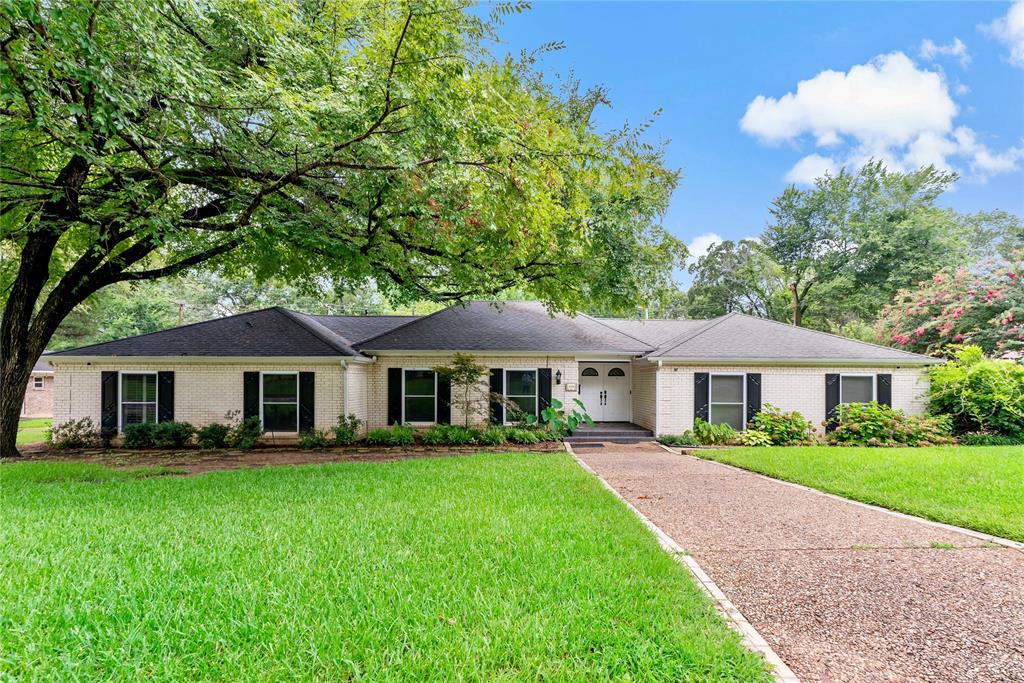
column 929, row 50
column 888, row 101
column 701, row 244
column 889, row 109
column 810, row 168
column 1009, row 30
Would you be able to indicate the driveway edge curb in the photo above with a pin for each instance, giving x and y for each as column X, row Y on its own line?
column 980, row 535
column 749, row 636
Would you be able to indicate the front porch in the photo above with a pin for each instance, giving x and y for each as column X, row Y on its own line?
column 611, row 432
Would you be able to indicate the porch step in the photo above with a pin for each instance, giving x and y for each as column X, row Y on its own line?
column 618, row 432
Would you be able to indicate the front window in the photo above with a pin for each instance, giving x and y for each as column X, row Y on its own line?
column 419, row 396
column 521, row 389
column 727, row 404
column 856, row 389
column 280, row 401
column 138, row 398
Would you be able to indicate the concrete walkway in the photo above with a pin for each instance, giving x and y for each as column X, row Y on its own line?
column 840, row 592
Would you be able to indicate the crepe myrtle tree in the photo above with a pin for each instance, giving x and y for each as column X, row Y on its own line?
column 358, row 141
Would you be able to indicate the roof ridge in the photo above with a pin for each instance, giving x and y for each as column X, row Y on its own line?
column 685, row 337
column 166, row 329
column 624, row 334
column 406, row 324
column 319, row 331
column 836, row 336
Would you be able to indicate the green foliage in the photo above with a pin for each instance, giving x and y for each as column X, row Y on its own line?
column 989, row 439
column 449, row 435
column 782, row 428
column 754, row 437
column 141, row 435
column 246, row 434
column 314, row 439
column 172, row 434
column 469, row 393
column 982, row 306
column 876, row 424
column 980, row 394
column 737, row 276
column 346, row 432
column 559, row 421
column 685, row 439
column 492, row 436
column 522, row 436
column 74, row 434
column 396, row 435
column 213, row 436
column 708, row 434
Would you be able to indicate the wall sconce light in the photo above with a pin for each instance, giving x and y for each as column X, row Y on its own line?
column 558, row 376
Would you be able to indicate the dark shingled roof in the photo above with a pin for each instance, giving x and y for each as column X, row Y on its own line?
column 269, row 332
column 505, row 326
column 42, row 366
column 357, row 328
column 740, row 337
column 496, row 327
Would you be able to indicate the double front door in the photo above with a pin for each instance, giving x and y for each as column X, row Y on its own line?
column 604, row 390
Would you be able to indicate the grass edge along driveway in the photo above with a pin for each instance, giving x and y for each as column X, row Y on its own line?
column 977, row 487
column 488, row 567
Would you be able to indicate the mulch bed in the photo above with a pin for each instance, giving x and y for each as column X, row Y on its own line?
column 194, row 461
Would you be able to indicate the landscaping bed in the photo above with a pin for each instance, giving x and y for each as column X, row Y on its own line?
column 978, row 487
column 481, row 567
column 197, row 461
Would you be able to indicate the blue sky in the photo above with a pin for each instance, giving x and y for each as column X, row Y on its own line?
column 958, row 100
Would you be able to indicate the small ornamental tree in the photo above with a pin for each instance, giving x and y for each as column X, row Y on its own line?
column 981, row 306
column 469, row 393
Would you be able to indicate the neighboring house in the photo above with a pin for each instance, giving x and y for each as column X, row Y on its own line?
column 38, row 400
column 298, row 371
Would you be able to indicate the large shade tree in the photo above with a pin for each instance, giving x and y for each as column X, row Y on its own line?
column 363, row 141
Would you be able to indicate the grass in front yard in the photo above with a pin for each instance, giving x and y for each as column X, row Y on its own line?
column 979, row 487
column 33, row 431
column 489, row 567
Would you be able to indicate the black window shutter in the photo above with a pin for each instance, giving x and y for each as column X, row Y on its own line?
column 307, row 401
column 831, row 400
column 394, row 395
column 883, row 389
column 497, row 387
column 753, row 395
column 701, row 381
column 250, row 395
column 444, row 400
column 165, row 396
column 108, row 402
column 543, row 389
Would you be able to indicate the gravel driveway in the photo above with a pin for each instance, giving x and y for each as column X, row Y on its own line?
column 841, row 592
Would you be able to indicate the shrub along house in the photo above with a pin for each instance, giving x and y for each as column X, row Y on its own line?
column 297, row 372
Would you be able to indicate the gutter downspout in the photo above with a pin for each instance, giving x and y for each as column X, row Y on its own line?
column 657, row 401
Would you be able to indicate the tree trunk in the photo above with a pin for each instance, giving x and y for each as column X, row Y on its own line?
column 797, row 308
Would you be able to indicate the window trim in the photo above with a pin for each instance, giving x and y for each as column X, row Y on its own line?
column 294, row 373
column 711, row 395
column 874, row 386
column 38, row 383
column 120, row 403
column 404, row 396
column 536, row 389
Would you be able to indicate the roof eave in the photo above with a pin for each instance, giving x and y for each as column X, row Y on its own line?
column 819, row 362
column 206, row 359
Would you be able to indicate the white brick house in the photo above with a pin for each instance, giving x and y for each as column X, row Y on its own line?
column 298, row 372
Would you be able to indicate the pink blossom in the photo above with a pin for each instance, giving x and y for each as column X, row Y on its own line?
column 958, row 312
column 959, row 337
column 919, row 332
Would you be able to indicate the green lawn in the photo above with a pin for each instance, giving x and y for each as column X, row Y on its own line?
column 489, row 567
column 33, row 431
column 979, row 487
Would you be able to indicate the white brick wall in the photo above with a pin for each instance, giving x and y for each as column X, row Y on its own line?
column 203, row 392
column 377, row 393
column 789, row 388
column 645, row 402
